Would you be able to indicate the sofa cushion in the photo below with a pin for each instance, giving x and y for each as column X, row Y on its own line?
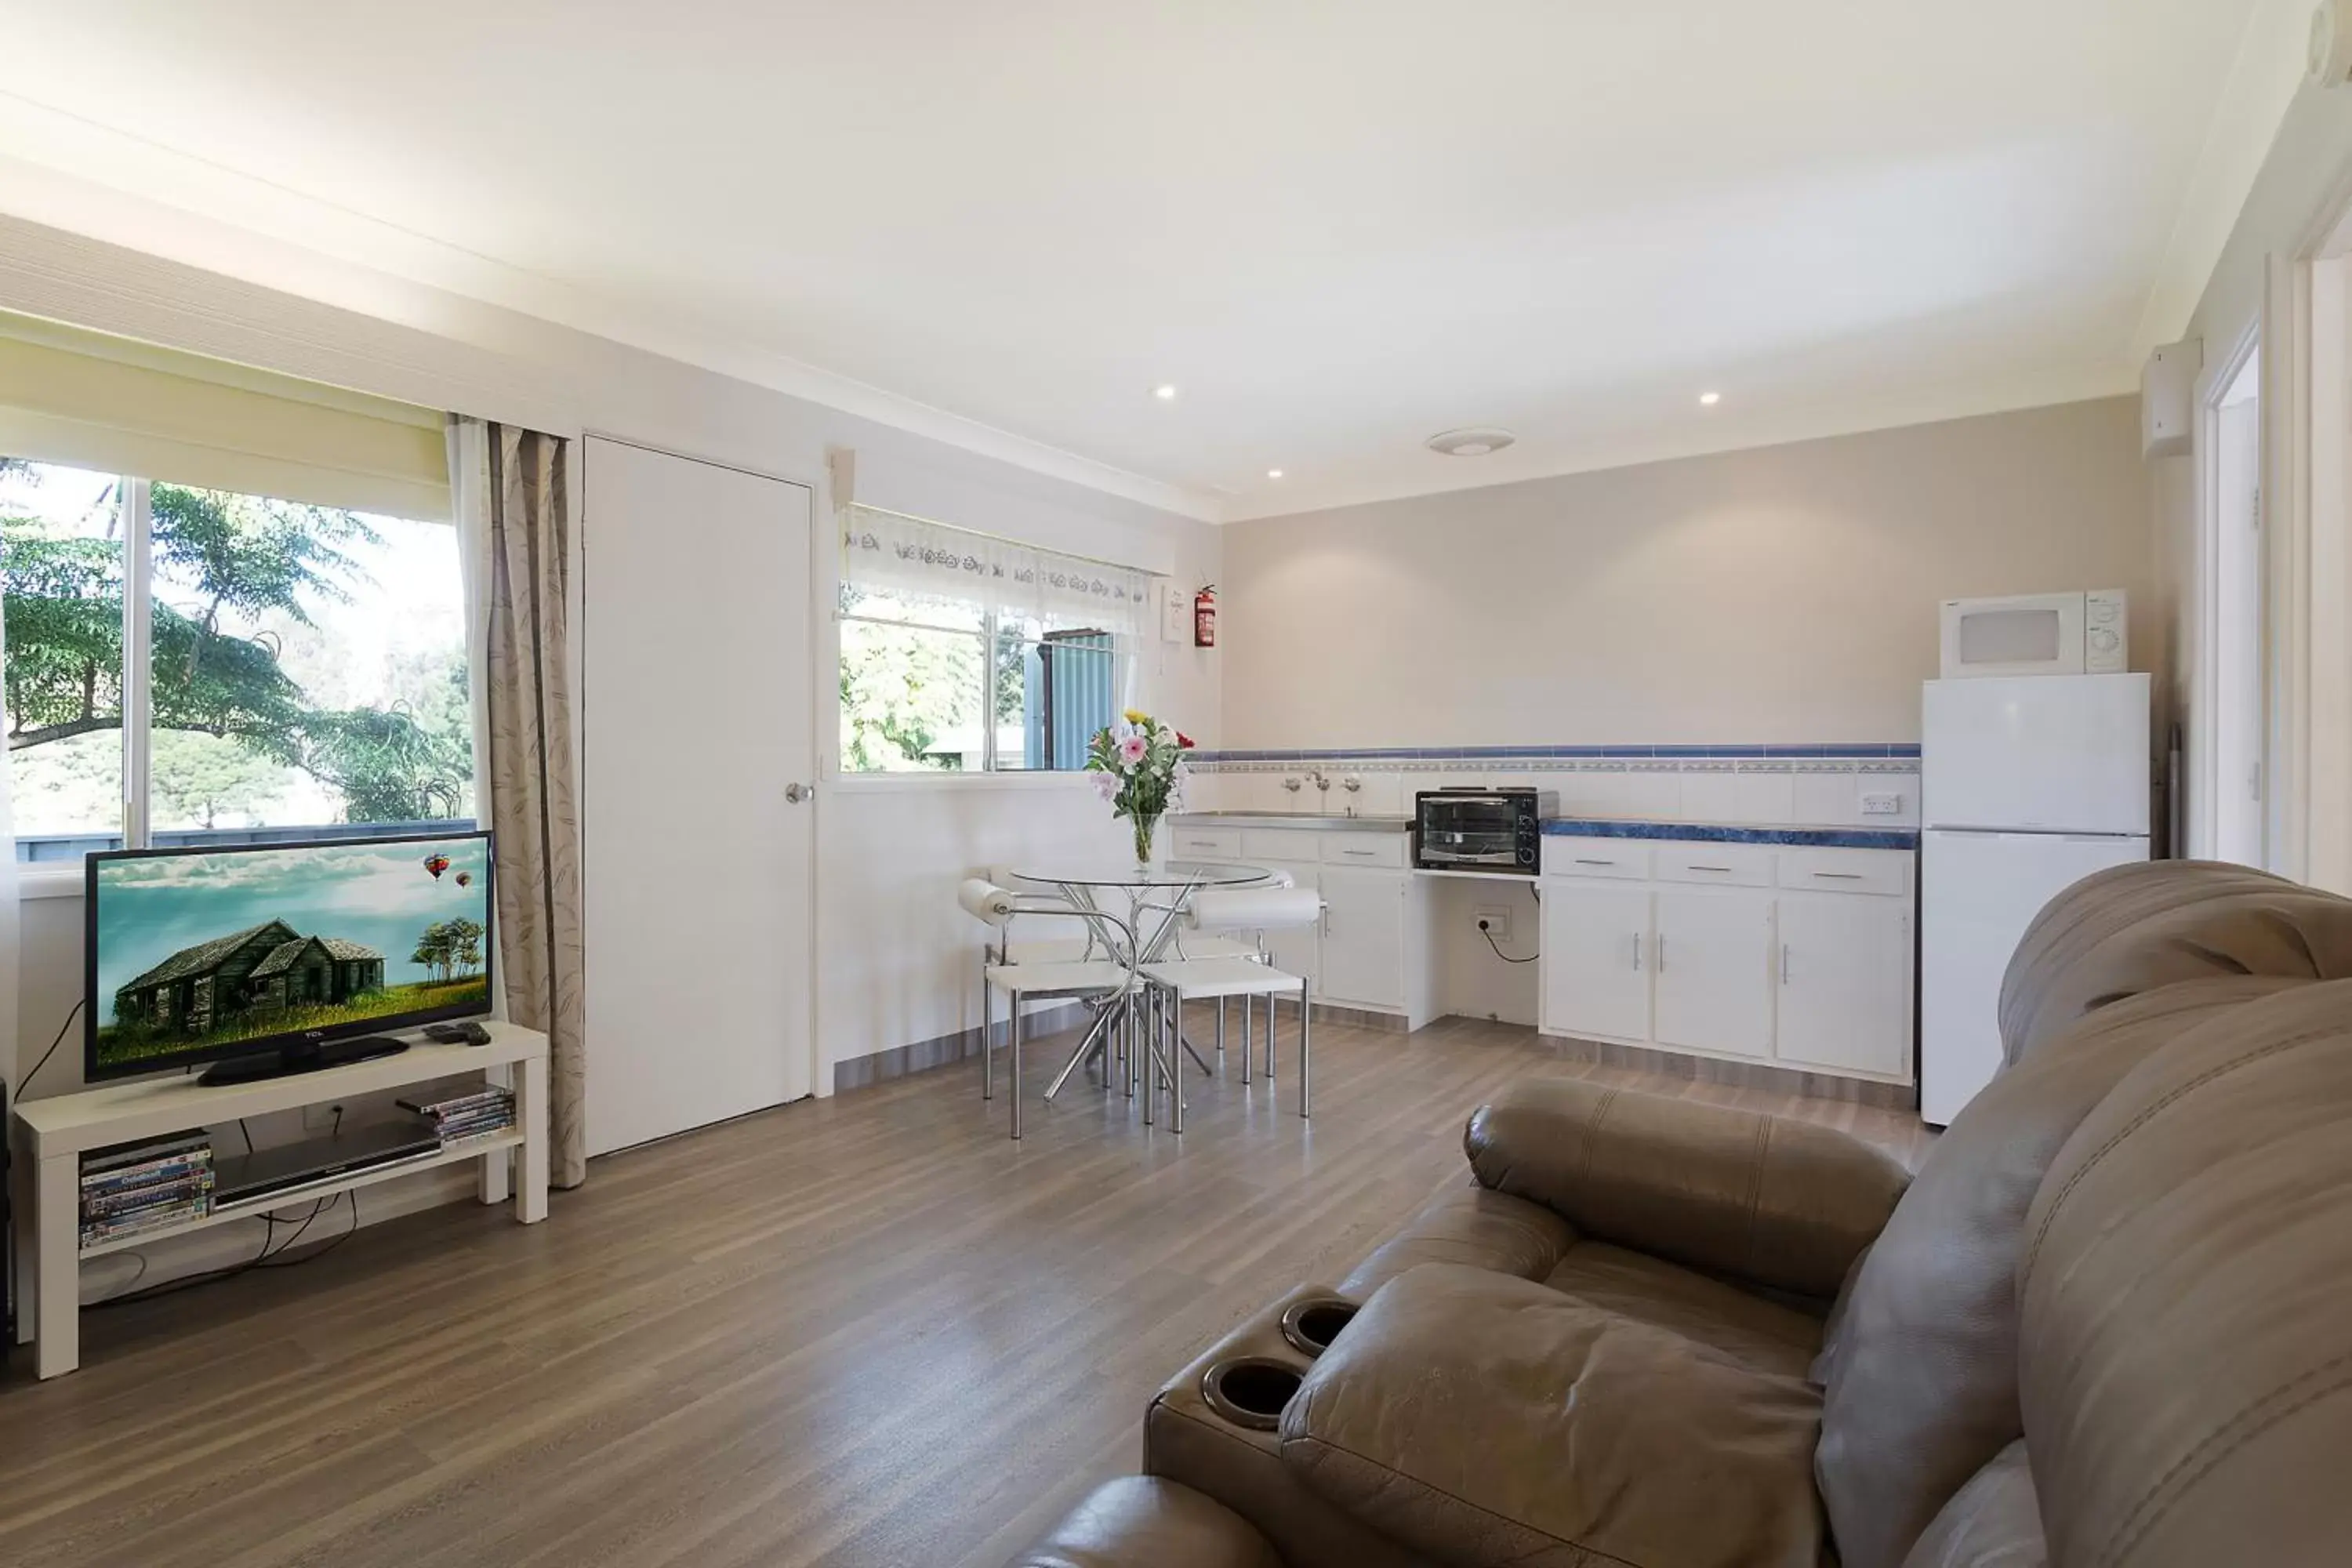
column 1994, row 1522
column 1487, row 1420
column 1761, row 1334
column 2132, row 929
column 2186, row 1353
column 1920, row 1374
column 1471, row 1225
column 1138, row 1522
column 1782, row 1204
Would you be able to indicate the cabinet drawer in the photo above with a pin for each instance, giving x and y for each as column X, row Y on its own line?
column 1627, row 859
column 1259, row 844
column 1720, row 865
column 1846, row 870
column 1206, row 843
column 1365, row 849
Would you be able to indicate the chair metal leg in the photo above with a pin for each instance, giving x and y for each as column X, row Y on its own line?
column 1013, row 1042
column 987, row 1032
column 1306, row 1024
column 1248, row 1050
column 1149, row 1051
column 1221, row 1028
column 1096, row 1037
column 1273, row 1021
column 1184, row 1042
column 1176, row 1066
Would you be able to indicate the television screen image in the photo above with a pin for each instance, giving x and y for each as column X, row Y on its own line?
column 200, row 955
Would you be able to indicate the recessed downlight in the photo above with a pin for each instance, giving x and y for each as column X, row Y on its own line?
column 1709, row 399
column 1475, row 442
column 1274, row 473
column 1165, row 392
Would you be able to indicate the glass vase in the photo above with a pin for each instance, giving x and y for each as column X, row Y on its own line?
column 1146, row 829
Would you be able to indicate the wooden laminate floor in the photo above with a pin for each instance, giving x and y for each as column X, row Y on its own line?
column 865, row 1330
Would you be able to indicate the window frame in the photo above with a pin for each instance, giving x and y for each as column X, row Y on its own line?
column 136, row 501
column 1125, row 661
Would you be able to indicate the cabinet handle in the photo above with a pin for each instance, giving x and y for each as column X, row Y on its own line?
column 1660, row 940
column 1840, row 875
column 1359, row 854
column 1583, row 861
column 1724, row 869
column 1784, row 963
column 1637, row 952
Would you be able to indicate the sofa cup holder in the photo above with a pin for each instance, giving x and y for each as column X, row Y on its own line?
column 1251, row 1391
column 1312, row 1324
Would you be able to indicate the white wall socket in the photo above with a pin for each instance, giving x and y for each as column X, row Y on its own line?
column 1498, row 922
column 1882, row 802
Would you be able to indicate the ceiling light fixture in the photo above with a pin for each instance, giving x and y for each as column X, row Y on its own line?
column 1274, row 473
column 1709, row 399
column 1472, row 443
column 1165, row 392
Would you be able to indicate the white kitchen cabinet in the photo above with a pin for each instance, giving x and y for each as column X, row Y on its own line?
column 1796, row 955
column 1363, row 961
column 1712, row 959
column 1845, row 984
column 1596, row 973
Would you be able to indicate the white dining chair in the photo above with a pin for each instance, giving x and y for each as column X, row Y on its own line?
column 1106, row 979
column 1173, row 982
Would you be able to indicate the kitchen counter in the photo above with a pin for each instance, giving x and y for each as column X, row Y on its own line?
column 1735, row 833
column 1279, row 819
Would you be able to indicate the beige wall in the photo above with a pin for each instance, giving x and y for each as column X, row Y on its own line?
column 1781, row 594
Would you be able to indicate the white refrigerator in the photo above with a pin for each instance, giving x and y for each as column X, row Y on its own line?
column 2027, row 785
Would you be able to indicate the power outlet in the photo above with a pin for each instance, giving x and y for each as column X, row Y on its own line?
column 1882, row 802
column 1494, row 923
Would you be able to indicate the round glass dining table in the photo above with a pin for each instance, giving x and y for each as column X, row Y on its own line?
column 1159, row 889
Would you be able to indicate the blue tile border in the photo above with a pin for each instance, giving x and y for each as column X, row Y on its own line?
column 1846, row 750
column 1717, row 833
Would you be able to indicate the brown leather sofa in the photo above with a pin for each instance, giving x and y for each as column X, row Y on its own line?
column 2108, row 1322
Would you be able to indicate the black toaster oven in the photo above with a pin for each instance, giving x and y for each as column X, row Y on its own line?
column 1471, row 829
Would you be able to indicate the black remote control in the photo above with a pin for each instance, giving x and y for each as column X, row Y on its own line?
column 457, row 1034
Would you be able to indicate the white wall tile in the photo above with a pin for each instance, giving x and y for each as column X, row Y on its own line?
column 1824, row 799
column 1764, row 796
column 1709, row 796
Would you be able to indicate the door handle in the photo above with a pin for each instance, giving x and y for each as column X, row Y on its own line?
column 797, row 793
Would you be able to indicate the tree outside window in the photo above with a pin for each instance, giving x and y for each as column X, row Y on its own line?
column 307, row 664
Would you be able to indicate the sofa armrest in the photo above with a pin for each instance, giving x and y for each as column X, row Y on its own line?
column 1778, row 1203
column 1138, row 1522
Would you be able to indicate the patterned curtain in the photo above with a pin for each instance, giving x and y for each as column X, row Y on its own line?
column 512, row 505
column 911, row 558
column 9, row 1065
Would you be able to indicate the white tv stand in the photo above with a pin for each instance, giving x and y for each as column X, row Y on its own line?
column 51, row 1135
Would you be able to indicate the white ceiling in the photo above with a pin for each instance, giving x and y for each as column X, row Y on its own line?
column 1338, row 228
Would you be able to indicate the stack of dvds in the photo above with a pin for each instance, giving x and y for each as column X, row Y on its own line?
column 467, row 1113
column 156, row 1183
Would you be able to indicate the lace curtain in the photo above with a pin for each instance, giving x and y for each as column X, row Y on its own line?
column 888, row 551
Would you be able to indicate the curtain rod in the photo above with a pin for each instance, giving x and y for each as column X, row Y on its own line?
column 1001, row 539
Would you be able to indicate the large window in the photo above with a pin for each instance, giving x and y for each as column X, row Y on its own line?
column 962, row 653
column 304, row 667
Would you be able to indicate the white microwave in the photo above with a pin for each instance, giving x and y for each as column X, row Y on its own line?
column 2037, row 634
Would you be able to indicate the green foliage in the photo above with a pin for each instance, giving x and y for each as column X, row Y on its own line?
column 200, row 778
column 224, row 556
column 903, row 688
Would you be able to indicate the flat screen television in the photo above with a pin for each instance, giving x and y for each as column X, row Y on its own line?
column 268, row 958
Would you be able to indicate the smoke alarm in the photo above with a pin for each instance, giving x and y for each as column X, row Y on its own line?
column 2331, row 42
column 1473, row 443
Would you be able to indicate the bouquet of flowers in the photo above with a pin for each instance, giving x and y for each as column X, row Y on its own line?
column 1139, row 768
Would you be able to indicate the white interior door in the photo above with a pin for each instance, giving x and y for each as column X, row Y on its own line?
column 697, row 714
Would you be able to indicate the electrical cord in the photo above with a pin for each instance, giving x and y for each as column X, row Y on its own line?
column 270, row 1257
column 26, row 1082
column 1506, row 957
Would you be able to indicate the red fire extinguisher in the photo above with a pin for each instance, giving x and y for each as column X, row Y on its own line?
column 1204, row 616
